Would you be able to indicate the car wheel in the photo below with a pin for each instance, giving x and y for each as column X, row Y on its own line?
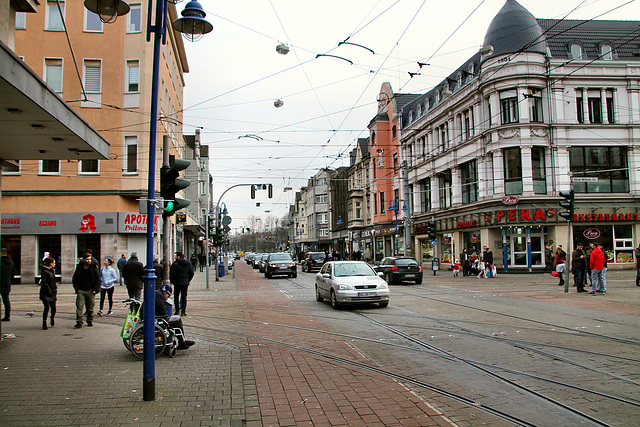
column 383, row 304
column 387, row 278
column 267, row 275
column 419, row 282
column 318, row 296
column 334, row 301
column 294, row 275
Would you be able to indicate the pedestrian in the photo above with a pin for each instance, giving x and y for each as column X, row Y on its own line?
column 578, row 265
column 121, row 262
column 588, row 251
column 456, row 268
column 638, row 265
column 548, row 258
column 603, row 284
column 194, row 261
column 132, row 272
column 109, row 278
column 561, row 256
column 175, row 322
column 86, row 283
column 48, row 291
column 181, row 273
column 159, row 269
column 202, row 259
column 8, row 271
column 488, row 262
column 597, row 265
column 481, row 267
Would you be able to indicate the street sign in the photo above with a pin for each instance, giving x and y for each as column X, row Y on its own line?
column 585, row 179
column 226, row 228
column 434, row 242
column 226, row 220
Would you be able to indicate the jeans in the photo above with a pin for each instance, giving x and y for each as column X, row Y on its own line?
column 88, row 299
column 596, row 279
column 48, row 305
column 109, row 293
column 578, row 273
column 7, row 303
column 638, row 277
column 180, row 298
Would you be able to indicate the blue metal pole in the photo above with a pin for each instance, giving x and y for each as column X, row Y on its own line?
column 529, row 263
column 149, row 374
column 505, row 250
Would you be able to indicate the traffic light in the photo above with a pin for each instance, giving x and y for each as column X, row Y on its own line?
column 253, row 191
column 567, row 204
column 210, row 224
column 431, row 230
column 170, row 184
column 270, row 191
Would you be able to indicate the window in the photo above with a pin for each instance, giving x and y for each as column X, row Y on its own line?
column 323, row 218
column 133, row 76
column 358, row 210
column 469, row 175
column 375, row 204
column 608, row 164
column 89, row 167
column 92, row 22
column 373, row 138
column 576, row 51
column 50, row 167
column 466, row 124
column 512, row 171
column 11, row 168
column 606, row 52
column 539, row 170
column 535, row 105
column 21, row 20
column 130, row 155
column 54, row 20
column 92, row 83
column 425, row 195
column 322, row 198
column 444, row 189
column 382, row 206
column 324, row 232
column 395, row 163
column 595, row 107
column 394, row 132
column 321, row 181
column 134, row 18
column 509, row 106
column 611, row 118
column 53, row 73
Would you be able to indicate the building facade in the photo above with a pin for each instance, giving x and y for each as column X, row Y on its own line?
column 68, row 204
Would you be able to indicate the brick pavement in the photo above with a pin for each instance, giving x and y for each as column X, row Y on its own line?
column 71, row 377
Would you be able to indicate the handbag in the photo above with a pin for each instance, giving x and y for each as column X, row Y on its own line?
column 130, row 323
column 555, row 274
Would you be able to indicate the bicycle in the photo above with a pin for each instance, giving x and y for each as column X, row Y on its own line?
column 165, row 337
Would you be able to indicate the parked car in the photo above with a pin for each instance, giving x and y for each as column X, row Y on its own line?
column 350, row 282
column 262, row 262
column 248, row 257
column 256, row 261
column 399, row 268
column 280, row 263
column 313, row 261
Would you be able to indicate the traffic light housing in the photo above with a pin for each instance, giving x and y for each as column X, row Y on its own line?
column 567, row 204
column 170, row 184
column 431, row 229
column 210, row 225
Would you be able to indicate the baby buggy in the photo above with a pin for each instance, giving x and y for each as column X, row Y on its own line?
column 166, row 338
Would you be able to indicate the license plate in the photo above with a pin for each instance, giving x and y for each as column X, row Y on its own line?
column 282, row 267
column 366, row 294
column 409, row 275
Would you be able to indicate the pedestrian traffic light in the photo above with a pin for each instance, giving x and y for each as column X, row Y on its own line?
column 210, row 224
column 270, row 191
column 567, row 204
column 170, row 184
column 253, row 191
column 431, row 229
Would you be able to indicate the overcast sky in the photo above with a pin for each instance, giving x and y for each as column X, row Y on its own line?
column 236, row 75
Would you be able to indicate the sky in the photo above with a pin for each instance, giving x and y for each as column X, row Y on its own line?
column 236, row 75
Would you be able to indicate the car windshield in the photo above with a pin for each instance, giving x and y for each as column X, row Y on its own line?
column 353, row 269
column 280, row 257
column 317, row 256
column 408, row 261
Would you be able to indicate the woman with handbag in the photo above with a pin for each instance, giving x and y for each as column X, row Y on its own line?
column 561, row 256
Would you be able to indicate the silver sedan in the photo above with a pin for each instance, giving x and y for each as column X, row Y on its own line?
column 350, row 282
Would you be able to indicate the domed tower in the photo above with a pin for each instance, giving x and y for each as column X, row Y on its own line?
column 515, row 29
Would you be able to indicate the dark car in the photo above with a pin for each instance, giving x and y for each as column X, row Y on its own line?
column 313, row 261
column 263, row 262
column 400, row 268
column 256, row 260
column 280, row 264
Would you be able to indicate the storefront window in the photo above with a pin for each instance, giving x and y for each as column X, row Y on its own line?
column 13, row 247
column 446, row 248
column 472, row 243
column 379, row 254
column 518, row 251
column 427, row 251
column 616, row 239
column 50, row 244
column 89, row 241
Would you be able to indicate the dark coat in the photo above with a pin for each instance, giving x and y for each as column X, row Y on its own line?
column 159, row 268
column 181, row 272
column 577, row 261
column 488, row 257
column 87, row 279
column 7, row 270
column 132, row 273
column 48, row 285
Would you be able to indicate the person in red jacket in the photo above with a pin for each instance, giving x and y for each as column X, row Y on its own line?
column 597, row 265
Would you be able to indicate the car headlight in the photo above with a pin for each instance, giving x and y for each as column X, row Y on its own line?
column 383, row 286
column 344, row 287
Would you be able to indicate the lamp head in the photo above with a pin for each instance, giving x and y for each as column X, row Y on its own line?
column 192, row 25
column 107, row 10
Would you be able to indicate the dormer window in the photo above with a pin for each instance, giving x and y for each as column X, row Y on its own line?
column 410, row 116
column 426, row 105
column 576, row 51
column 419, row 110
column 606, row 52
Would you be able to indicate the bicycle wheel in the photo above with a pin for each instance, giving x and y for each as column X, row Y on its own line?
column 137, row 341
column 126, row 342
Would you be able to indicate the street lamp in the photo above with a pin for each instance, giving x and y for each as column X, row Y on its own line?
column 395, row 207
column 109, row 10
column 339, row 223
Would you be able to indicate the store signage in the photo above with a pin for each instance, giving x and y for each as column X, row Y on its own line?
column 516, row 215
column 510, row 200
column 591, row 233
column 605, row 217
column 133, row 222
column 466, row 224
column 58, row 223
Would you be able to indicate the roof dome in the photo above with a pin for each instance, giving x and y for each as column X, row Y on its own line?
column 514, row 28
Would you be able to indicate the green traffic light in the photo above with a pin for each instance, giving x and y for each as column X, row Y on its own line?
column 169, row 207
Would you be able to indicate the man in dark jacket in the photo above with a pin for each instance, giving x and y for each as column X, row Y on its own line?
column 180, row 275
column 132, row 272
column 159, row 269
column 578, row 265
column 8, row 270
column 121, row 262
column 86, row 283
